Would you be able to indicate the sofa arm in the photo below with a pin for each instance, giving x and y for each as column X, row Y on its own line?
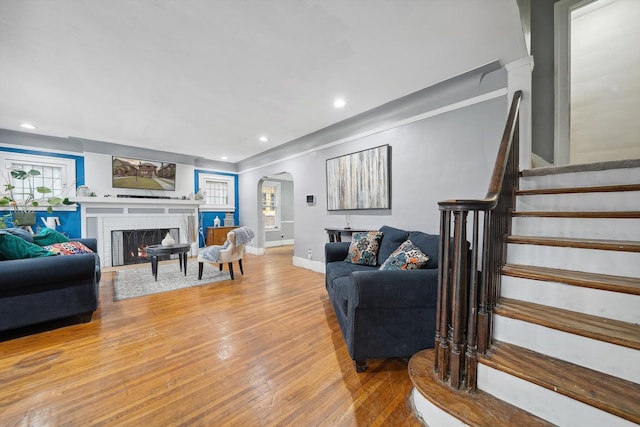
column 89, row 242
column 50, row 269
column 393, row 289
column 336, row 251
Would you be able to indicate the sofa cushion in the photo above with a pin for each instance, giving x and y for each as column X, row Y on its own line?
column 21, row 232
column 14, row 247
column 68, row 248
column 364, row 248
column 48, row 236
column 407, row 257
column 338, row 269
column 429, row 244
column 391, row 239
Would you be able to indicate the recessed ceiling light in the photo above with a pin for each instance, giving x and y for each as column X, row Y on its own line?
column 27, row 126
column 224, row 158
column 339, row 102
column 264, row 139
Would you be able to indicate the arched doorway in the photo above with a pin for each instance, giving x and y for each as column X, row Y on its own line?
column 275, row 210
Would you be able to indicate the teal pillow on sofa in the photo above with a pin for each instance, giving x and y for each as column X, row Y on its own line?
column 14, row 247
column 20, row 232
column 48, row 236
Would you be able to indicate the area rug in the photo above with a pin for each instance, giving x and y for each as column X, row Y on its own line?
column 136, row 282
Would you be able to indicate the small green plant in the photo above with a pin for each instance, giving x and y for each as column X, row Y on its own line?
column 29, row 197
column 3, row 220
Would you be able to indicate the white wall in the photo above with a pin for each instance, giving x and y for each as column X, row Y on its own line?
column 98, row 178
column 605, row 88
column 448, row 155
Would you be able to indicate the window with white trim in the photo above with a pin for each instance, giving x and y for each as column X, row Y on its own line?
column 219, row 192
column 271, row 204
column 56, row 173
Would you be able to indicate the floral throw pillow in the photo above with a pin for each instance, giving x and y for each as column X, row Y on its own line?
column 364, row 248
column 407, row 257
column 68, row 248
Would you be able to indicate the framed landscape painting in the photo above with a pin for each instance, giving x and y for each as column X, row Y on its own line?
column 359, row 180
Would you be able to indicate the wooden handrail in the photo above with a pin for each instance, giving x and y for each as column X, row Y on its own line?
column 499, row 168
column 465, row 298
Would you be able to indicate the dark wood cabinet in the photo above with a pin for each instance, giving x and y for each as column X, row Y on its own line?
column 217, row 235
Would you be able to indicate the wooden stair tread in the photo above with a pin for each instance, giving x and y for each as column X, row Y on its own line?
column 565, row 242
column 572, row 190
column 477, row 408
column 599, row 328
column 605, row 392
column 579, row 214
column 628, row 285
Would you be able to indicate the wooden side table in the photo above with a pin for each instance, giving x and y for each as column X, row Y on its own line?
column 335, row 234
column 217, row 235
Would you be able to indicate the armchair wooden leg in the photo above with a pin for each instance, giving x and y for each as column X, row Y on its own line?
column 200, row 267
column 231, row 270
column 361, row 365
column 241, row 270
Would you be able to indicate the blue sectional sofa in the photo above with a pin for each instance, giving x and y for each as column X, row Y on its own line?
column 39, row 289
column 384, row 313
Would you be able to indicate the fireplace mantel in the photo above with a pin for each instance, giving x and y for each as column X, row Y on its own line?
column 101, row 215
column 126, row 201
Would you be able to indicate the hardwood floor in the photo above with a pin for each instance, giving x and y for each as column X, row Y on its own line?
column 262, row 350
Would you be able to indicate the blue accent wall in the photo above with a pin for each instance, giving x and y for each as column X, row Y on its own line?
column 206, row 218
column 70, row 221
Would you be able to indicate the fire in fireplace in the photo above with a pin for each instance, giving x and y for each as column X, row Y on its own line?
column 127, row 246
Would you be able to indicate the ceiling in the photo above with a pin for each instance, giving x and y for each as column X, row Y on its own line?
column 208, row 78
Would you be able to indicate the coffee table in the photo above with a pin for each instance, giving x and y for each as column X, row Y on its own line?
column 154, row 251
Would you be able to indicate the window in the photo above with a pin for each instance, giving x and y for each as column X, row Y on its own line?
column 219, row 192
column 58, row 174
column 271, row 204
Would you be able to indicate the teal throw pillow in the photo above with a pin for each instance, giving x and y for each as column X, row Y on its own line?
column 407, row 257
column 21, row 232
column 48, row 236
column 14, row 247
column 364, row 248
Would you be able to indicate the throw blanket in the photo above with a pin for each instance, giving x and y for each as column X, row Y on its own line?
column 212, row 253
column 243, row 235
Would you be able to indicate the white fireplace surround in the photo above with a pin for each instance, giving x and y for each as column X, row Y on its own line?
column 102, row 215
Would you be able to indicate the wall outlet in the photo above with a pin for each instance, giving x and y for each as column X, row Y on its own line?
column 309, row 254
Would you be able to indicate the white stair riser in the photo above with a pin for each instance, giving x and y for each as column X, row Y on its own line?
column 590, row 260
column 581, row 179
column 584, row 228
column 431, row 414
column 549, row 405
column 621, row 362
column 596, row 302
column 576, row 202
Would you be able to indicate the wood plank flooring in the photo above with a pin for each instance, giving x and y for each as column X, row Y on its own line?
column 262, row 350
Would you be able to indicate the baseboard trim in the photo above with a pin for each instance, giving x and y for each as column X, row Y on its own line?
column 275, row 243
column 254, row 250
column 309, row 264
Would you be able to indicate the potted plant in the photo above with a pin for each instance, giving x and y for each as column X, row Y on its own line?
column 25, row 201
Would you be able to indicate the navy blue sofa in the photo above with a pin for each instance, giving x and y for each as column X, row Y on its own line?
column 384, row 313
column 36, row 290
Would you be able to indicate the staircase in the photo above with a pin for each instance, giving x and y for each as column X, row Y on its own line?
column 566, row 330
